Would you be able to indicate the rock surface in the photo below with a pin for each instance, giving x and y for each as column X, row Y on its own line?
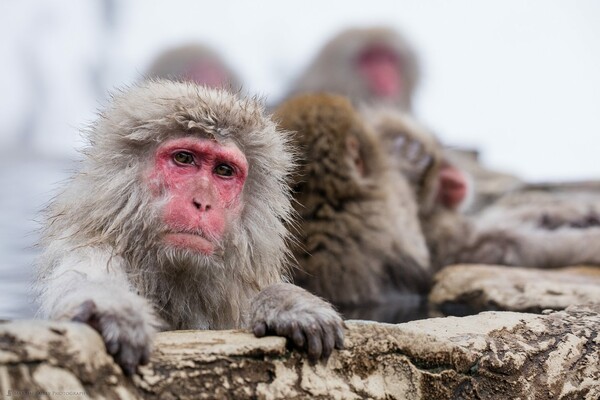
column 469, row 289
column 494, row 355
column 58, row 360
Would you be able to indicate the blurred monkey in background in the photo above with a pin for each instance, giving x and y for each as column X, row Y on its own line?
column 359, row 242
column 378, row 67
column 529, row 229
column 372, row 65
column 195, row 63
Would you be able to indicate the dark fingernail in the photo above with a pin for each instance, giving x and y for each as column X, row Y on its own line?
column 85, row 311
column 260, row 329
column 339, row 338
column 314, row 347
column 326, row 352
column 298, row 338
column 145, row 357
column 128, row 369
column 112, row 347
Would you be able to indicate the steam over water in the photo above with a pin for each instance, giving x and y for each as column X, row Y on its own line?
column 28, row 181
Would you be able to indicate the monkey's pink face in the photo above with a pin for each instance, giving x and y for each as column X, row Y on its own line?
column 381, row 69
column 208, row 73
column 452, row 186
column 203, row 182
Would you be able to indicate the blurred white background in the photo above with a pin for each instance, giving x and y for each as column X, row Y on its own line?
column 518, row 79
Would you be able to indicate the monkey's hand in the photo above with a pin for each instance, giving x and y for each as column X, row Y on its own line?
column 306, row 320
column 127, row 331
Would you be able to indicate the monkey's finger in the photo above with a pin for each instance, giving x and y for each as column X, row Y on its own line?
column 328, row 342
column 292, row 331
column 128, row 368
column 297, row 335
column 282, row 329
column 128, row 359
column 112, row 346
column 84, row 311
column 315, row 346
column 339, row 337
column 145, row 358
column 260, row 329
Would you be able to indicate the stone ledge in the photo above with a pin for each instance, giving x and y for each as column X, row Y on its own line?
column 469, row 289
column 493, row 355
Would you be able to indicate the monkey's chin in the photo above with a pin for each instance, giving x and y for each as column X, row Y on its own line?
column 191, row 242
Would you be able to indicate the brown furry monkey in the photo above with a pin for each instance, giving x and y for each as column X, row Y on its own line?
column 359, row 241
column 372, row 65
column 178, row 214
column 543, row 231
column 195, row 63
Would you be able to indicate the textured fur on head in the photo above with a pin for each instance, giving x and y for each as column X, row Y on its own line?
column 361, row 240
column 324, row 124
column 333, row 69
column 107, row 204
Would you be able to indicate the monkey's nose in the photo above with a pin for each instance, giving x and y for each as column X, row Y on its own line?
column 200, row 206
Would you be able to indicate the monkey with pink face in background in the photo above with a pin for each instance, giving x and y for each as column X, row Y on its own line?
column 527, row 228
column 196, row 63
column 378, row 67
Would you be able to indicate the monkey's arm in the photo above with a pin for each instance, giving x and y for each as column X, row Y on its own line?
column 536, row 247
column 309, row 322
column 89, row 285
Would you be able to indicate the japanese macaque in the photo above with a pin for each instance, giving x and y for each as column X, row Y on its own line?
column 359, row 241
column 372, row 65
column 378, row 67
column 543, row 231
column 177, row 220
column 194, row 63
column 453, row 179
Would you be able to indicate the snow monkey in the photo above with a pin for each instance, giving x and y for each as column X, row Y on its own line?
column 359, row 241
column 195, row 63
column 378, row 67
column 176, row 220
column 371, row 65
column 546, row 230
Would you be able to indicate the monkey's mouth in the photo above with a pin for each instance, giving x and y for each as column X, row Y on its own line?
column 193, row 241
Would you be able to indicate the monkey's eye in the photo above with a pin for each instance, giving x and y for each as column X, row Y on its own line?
column 224, row 170
column 183, row 157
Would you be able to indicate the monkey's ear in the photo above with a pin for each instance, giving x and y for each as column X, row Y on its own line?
column 354, row 153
